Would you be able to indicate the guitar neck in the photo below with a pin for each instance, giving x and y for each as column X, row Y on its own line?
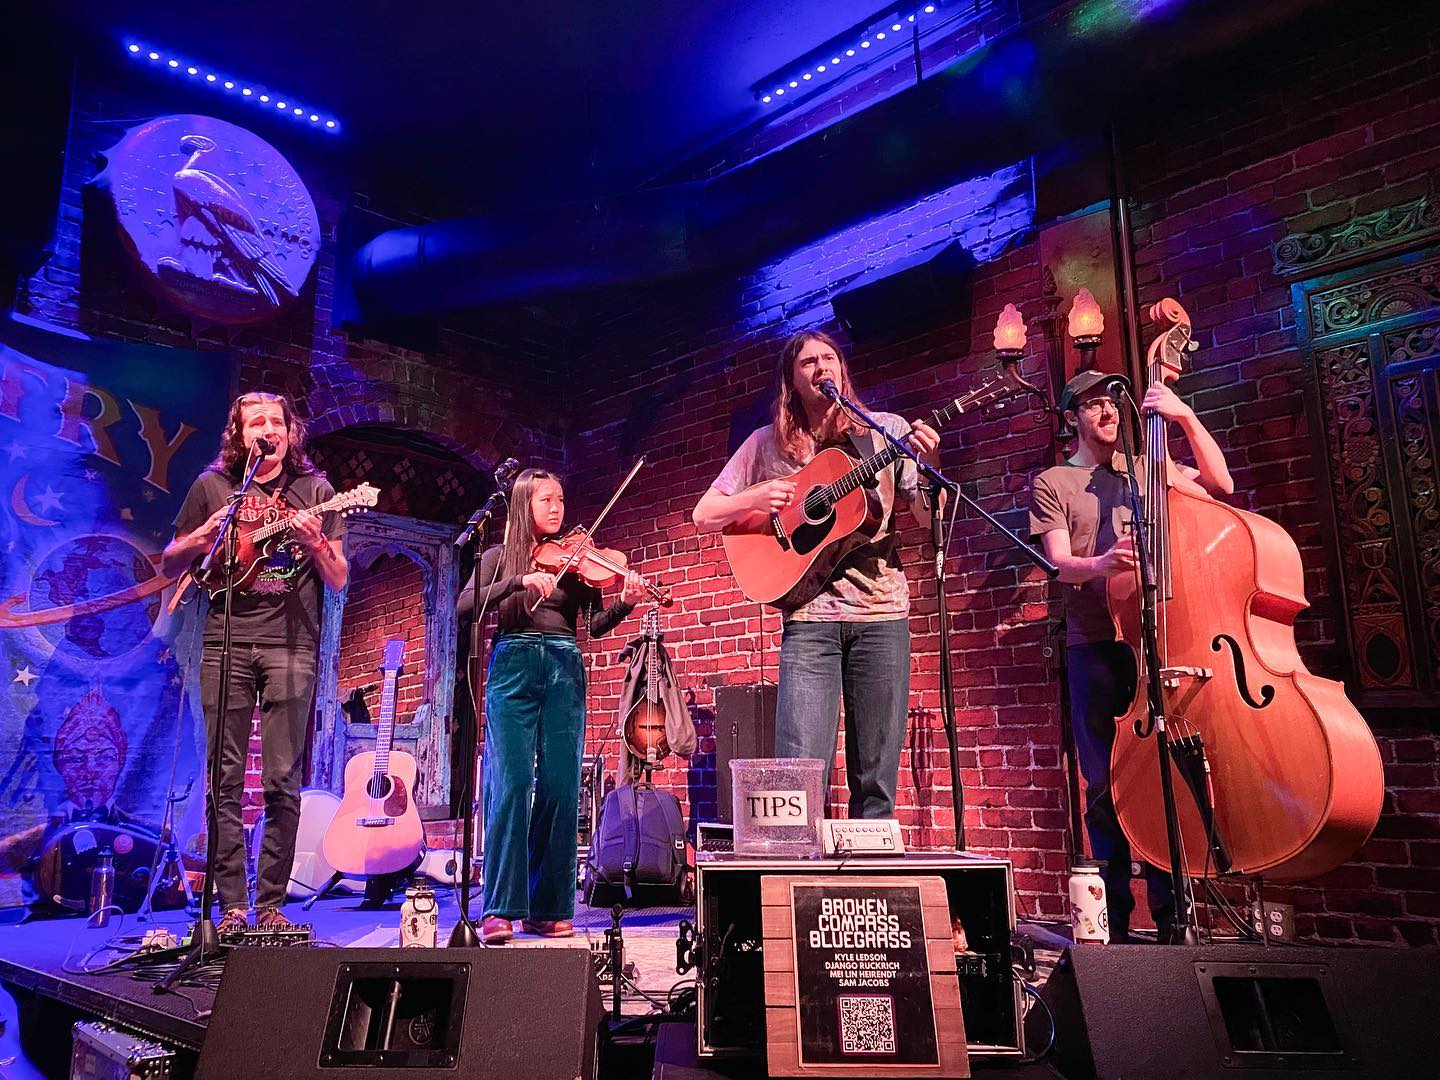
column 385, row 730
column 878, row 462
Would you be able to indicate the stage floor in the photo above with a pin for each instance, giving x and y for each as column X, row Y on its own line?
column 63, row 960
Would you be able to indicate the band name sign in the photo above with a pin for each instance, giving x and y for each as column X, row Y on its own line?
column 860, row 977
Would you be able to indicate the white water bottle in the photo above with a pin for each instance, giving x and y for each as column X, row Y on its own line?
column 1089, row 918
column 419, row 917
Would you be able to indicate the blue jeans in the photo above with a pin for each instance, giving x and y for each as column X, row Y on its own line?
column 866, row 663
column 1102, row 685
column 534, row 732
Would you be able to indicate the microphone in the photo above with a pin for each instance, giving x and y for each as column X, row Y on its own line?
column 829, row 389
column 1117, row 389
column 504, row 471
column 264, row 447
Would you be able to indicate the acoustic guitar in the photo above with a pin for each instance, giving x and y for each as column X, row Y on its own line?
column 376, row 829
column 644, row 727
column 784, row 559
column 255, row 544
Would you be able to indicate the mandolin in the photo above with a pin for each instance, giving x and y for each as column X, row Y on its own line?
column 644, row 727
column 257, row 542
column 785, row 559
column 376, row 829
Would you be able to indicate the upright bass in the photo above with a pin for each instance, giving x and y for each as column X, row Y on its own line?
column 1274, row 771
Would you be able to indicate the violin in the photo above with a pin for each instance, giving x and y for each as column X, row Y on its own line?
column 576, row 552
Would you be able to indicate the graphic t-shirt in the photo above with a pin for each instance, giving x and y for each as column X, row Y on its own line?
column 869, row 584
column 281, row 606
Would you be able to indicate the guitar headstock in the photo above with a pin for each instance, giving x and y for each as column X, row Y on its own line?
column 394, row 658
column 363, row 497
column 1171, row 344
column 998, row 388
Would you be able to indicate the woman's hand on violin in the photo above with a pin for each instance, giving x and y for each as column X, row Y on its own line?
column 633, row 591
column 1119, row 559
column 1161, row 399
column 540, row 583
column 772, row 496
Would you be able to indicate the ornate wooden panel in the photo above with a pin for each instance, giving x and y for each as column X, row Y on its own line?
column 1374, row 348
column 426, row 734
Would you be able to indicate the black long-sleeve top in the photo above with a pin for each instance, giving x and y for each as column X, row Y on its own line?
column 558, row 613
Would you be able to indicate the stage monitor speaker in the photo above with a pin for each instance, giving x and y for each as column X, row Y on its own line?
column 909, row 295
column 1193, row 1012
column 744, row 728
column 292, row 1013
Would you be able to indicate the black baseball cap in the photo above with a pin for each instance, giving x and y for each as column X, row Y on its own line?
column 1083, row 383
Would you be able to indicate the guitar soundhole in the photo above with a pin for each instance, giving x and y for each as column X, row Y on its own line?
column 817, row 507
column 378, row 787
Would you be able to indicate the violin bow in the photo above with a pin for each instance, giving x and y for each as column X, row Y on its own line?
column 600, row 517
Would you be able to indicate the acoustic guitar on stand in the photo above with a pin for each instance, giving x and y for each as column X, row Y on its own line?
column 785, row 559
column 376, row 829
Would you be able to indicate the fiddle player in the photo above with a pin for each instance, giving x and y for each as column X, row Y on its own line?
column 275, row 628
column 852, row 640
column 534, row 716
column 1080, row 510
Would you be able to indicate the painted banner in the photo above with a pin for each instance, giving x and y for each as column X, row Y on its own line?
column 99, row 442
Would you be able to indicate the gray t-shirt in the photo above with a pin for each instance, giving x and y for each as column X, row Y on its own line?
column 869, row 585
column 1091, row 504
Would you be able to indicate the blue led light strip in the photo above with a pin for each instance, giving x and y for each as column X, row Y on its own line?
column 880, row 37
column 253, row 93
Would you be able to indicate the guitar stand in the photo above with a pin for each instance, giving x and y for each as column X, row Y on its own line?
column 170, row 862
column 324, row 890
column 378, row 889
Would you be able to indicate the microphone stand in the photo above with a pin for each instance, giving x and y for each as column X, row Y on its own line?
column 1154, row 699
column 206, row 945
column 938, row 483
column 464, row 935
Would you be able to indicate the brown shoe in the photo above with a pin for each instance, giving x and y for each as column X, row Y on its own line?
column 550, row 927
column 235, row 921
column 496, row 931
column 272, row 918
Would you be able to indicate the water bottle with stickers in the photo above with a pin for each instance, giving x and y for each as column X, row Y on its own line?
column 419, row 917
column 1088, row 915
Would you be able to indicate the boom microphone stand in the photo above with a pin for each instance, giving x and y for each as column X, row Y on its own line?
column 464, row 935
column 1154, row 699
column 938, row 484
column 206, row 945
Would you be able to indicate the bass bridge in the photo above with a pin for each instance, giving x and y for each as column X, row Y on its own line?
column 1170, row 676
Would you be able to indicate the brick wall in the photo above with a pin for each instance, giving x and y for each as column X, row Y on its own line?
column 382, row 604
column 1347, row 121
column 1337, row 119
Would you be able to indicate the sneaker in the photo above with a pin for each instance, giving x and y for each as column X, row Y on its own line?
column 272, row 918
column 550, row 927
column 235, row 921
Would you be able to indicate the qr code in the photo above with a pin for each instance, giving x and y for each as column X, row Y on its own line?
column 867, row 1024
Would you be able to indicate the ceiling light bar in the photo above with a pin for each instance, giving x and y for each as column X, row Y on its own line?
column 863, row 42
column 252, row 93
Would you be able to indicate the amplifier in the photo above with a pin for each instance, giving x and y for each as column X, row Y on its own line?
column 731, row 978
column 101, row 1052
column 744, row 728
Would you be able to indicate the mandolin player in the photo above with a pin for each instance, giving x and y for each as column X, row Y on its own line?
column 852, row 639
column 275, row 624
column 1080, row 509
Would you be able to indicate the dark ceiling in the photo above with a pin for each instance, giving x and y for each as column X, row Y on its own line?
column 502, row 104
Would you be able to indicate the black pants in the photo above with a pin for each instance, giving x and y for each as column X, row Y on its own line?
column 283, row 678
column 1102, row 685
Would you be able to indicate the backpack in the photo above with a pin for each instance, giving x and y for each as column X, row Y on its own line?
column 640, row 844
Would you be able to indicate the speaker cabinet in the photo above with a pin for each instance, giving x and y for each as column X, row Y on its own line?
column 744, row 728
column 909, row 295
column 521, row 1013
column 1193, row 1012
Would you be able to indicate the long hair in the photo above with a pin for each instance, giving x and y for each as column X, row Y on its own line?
column 231, row 458
column 518, row 550
column 793, row 437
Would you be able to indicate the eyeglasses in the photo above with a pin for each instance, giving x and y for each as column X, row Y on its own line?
column 1096, row 406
